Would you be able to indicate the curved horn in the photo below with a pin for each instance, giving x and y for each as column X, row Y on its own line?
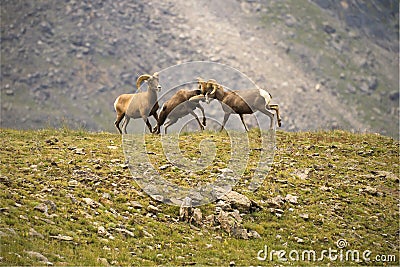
column 214, row 85
column 141, row 79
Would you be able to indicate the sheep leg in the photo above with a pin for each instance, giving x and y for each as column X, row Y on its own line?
column 148, row 124
column 118, row 121
column 156, row 129
column 204, row 116
column 244, row 124
column 166, row 126
column 197, row 118
column 125, row 123
column 169, row 123
column 276, row 108
column 270, row 115
column 226, row 117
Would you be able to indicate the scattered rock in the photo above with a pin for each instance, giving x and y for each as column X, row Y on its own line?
column 136, row 205
column 38, row 256
column 328, row 28
column 186, row 210
column 305, row 216
column 290, row 20
column 240, row 202
column 73, row 183
column 275, row 202
column 53, row 206
column 62, row 237
column 371, row 190
column 125, row 231
column 254, row 234
column 42, row 207
column 103, row 261
column 291, row 199
column 101, row 231
column 32, row 232
column 153, row 209
column 197, row 217
column 163, row 167
column 90, row 202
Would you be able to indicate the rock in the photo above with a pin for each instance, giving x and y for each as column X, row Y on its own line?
column 302, row 174
column 90, row 202
column 394, row 96
column 163, row 167
column 254, row 234
column 388, row 175
column 125, row 231
column 225, row 221
column 305, row 216
column 275, row 202
column 9, row 92
column 371, row 190
column 136, row 205
column 239, row 201
column 53, row 206
column 42, row 207
column 328, row 28
column 290, row 20
column 101, row 231
column 239, row 232
column 152, row 209
column 291, row 199
column 103, row 261
column 38, row 256
column 73, row 183
column 197, row 217
column 62, row 237
column 80, row 151
column 186, row 210
column 32, row 232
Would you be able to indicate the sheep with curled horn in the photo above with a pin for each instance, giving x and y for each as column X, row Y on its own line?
column 179, row 106
column 239, row 101
column 139, row 105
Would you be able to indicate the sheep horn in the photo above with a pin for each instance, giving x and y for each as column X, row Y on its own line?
column 141, row 79
column 196, row 98
column 215, row 87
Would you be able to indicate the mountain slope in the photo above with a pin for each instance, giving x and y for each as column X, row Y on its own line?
column 325, row 64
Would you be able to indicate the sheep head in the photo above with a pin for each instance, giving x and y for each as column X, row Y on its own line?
column 207, row 88
column 152, row 81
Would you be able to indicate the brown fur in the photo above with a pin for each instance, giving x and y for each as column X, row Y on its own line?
column 179, row 106
column 140, row 105
column 239, row 101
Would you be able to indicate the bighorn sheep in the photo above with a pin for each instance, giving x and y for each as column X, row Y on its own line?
column 179, row 106
column 239, row 101
column 140, row 105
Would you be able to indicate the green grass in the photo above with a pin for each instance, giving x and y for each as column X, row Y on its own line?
column 331, row 173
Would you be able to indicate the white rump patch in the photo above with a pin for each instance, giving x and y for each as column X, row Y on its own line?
column 266, row 96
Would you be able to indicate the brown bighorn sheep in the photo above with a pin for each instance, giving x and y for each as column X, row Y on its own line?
column 140, row 105
column 239, row 101
column 179, row 106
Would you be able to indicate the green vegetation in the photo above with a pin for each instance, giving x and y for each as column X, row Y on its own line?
column 347, row 187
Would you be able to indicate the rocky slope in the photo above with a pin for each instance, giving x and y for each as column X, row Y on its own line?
column 328, row 65
column 67, row 198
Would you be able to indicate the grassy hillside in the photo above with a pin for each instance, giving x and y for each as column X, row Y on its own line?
column 68, row 198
